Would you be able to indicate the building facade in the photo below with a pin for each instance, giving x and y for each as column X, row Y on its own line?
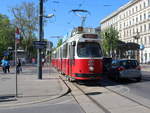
column 133, row 24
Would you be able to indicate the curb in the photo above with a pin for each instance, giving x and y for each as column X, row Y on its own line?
column 65, row 90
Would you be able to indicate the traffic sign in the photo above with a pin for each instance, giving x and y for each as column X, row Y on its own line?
column 5, row 53
column 39, row 42
column 142, row 47
column 40, row 46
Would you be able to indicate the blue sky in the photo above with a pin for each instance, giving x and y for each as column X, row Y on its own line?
column 64, row 21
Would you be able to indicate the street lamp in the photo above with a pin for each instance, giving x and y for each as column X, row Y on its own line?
column 41, row 37
column 49, row 16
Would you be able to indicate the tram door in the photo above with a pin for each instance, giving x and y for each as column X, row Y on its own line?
column 71, row 57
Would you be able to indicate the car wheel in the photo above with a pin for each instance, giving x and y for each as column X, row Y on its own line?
column 117, row 77
column 138, row 79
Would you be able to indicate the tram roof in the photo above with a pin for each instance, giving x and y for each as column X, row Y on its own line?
column 81, row 30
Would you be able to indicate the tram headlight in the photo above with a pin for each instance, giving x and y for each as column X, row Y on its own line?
column 91, row 68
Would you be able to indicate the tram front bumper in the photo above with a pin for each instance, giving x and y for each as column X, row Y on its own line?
column 88, row 75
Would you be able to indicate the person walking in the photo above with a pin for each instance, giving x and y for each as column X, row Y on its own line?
column 3, row 64
column 7, row 66
column 19, row 68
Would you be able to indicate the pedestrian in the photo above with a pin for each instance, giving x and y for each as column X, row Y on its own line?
column 7, row 66
column 3, row 64
column 19, row 68
column 43, row 61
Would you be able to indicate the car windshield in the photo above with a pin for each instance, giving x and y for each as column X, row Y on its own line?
column 89, row 49
column 129, row 63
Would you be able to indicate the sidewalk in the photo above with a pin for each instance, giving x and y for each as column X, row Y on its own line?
column 145, row 67
column 30, row 89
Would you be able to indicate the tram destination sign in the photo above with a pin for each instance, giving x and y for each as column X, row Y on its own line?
column 40, row 44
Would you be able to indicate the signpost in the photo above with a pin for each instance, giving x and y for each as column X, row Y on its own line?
column 17, row 40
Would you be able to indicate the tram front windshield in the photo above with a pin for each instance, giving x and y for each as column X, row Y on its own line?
column 89, row 49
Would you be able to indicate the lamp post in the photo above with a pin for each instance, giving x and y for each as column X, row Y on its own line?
column 39, row 59
column 41, row 37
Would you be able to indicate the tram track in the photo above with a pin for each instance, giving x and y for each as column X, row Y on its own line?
column 111, row 90
column 125, row 96
column 93, row 99
column 133, row 100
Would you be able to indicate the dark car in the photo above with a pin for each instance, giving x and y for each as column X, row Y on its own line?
column 125, row 69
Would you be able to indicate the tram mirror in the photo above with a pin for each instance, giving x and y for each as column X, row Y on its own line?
column 73, row 43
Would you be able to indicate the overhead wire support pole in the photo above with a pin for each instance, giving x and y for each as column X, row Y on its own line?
column 17, row 41
column 16, row 68
column 39, row 57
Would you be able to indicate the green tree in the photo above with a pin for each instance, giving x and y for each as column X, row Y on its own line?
column 110, row 39
column 60, row 41
column 7, row 34
column 26, row 19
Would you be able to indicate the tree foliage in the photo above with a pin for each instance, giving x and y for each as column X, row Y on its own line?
column 60, row 41
column 110, row 39
column 26, row 19
column 7, row 34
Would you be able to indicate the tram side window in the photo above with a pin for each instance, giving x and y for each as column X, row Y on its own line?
column 61, row 53
column 65, row 51
column 71, row 51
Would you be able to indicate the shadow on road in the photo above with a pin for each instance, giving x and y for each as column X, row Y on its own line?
column 111, row 82
column 7, row 98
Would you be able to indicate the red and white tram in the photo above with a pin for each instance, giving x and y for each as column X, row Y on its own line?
column 80, row 57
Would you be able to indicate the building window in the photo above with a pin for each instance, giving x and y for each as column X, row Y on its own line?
column 124, row 33
column 144, row 16
column 136, row 19
column 148, row 15
column 140, row 6
column 148, row 2
column 133, row 31
column 133, row 21
column 140, row 28
column 129, row 12
column 144, row 4
column 130, row 32
column 136, row 8
column 145, row 27
column 132, row 10
column 140, row 17
column 145, row 57
column 120, row 26
column 149, row 26
column 145, row 40
column 141, row 41
column 130, row 22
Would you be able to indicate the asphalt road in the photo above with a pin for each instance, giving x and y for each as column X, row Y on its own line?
column 131, row 88
column 141, row 88
column 66, row 104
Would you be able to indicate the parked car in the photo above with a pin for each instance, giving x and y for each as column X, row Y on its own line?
column 125, row 69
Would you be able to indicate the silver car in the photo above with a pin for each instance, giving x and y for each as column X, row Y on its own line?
column 125, row 69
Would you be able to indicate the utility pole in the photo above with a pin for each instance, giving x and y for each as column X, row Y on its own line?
column 39, row 57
